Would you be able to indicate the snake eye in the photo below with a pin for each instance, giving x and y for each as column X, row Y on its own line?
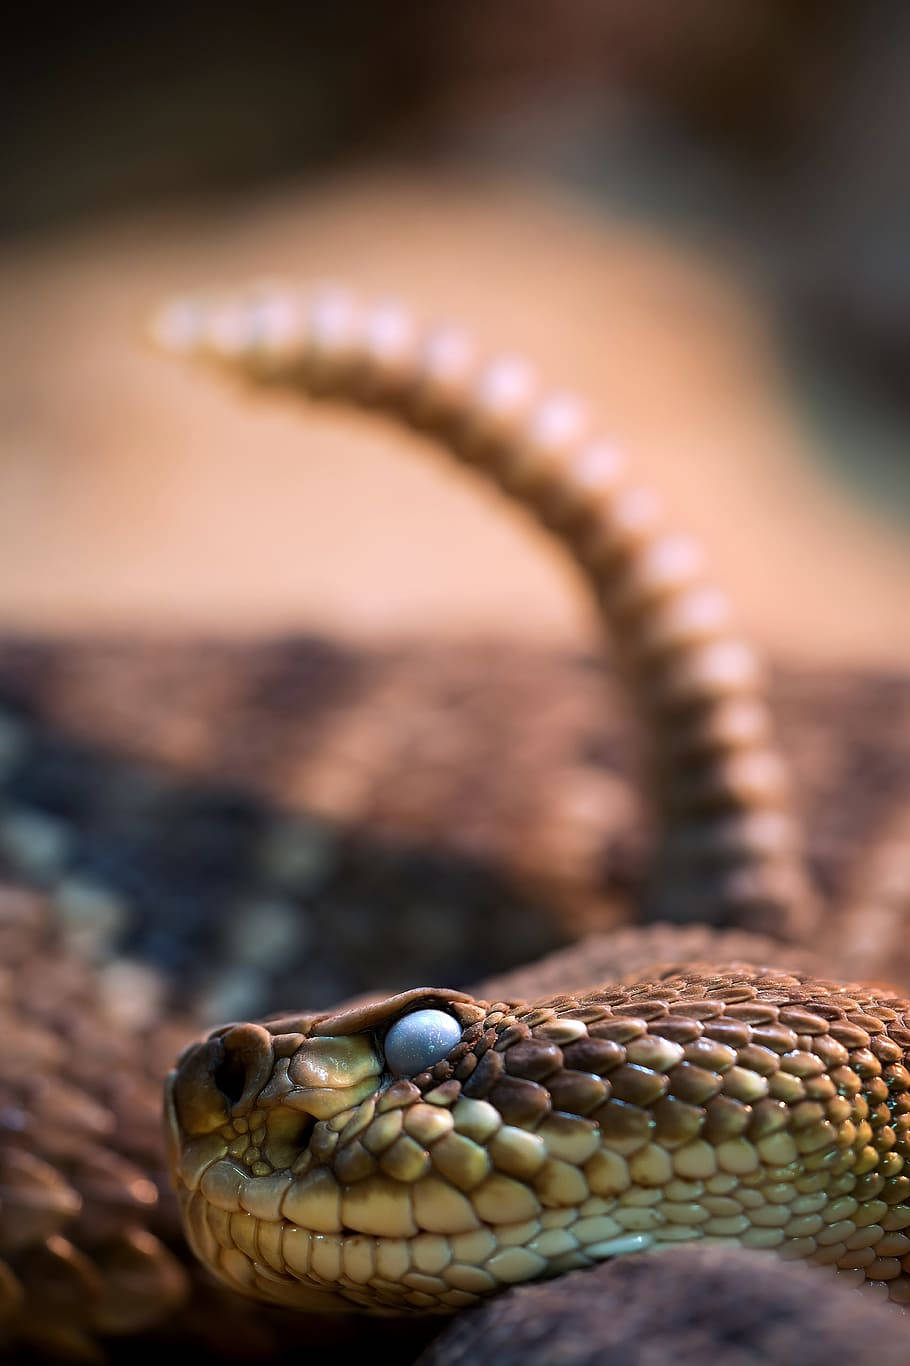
column 418, row 1040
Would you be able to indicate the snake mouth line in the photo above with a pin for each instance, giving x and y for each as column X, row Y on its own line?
column 343, row 1268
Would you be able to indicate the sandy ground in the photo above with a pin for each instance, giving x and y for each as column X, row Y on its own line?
column 136, row 495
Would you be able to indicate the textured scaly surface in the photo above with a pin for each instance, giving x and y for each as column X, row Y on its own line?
column 747, row 1105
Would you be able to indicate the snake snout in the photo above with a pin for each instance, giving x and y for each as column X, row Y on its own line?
column 220, row 1079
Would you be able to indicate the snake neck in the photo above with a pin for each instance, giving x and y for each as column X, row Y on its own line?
column 728, row 848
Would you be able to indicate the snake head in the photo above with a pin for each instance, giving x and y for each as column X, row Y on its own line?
column 298, row 1147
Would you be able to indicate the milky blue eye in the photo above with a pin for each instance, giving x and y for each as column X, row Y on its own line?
column 416, row 1041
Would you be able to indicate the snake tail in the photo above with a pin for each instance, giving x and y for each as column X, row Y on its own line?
column 729, row 846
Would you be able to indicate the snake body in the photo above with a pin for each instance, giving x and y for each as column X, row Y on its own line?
column 721, row 1102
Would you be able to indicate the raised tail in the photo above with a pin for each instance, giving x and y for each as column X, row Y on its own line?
column 729, row 848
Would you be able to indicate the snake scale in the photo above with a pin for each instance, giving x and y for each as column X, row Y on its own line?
column 696, row 1103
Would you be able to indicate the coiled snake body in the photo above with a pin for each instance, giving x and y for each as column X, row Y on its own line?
column 512, row 1140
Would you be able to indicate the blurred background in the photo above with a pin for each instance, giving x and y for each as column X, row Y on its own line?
column 696, row 214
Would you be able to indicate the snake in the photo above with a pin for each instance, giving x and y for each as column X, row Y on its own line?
column 416, row 1153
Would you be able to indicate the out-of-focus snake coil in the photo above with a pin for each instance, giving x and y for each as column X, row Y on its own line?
column 707, row 1101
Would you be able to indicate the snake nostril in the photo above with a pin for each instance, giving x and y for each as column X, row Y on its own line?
column 244, row 1064
column 230, row 1078
column 221, row 1077
column 200, row 1105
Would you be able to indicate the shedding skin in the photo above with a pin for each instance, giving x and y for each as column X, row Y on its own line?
column 722, row 1102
